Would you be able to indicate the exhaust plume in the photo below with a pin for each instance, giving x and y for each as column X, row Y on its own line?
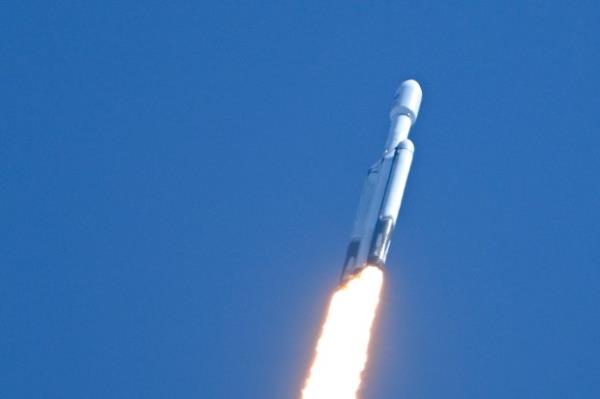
column 341, row 353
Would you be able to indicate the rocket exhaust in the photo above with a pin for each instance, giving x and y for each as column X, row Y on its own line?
column 341, row 353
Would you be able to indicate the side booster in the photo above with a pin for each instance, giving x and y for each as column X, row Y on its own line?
column 383, row 190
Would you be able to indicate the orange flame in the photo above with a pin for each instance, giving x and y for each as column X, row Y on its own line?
column 341, row 353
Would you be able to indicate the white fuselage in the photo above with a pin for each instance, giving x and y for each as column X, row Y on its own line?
column 384, row 187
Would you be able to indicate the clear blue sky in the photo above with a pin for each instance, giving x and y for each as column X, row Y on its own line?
column 178, row 183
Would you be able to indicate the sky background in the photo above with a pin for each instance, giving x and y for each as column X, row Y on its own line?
column 178, row 183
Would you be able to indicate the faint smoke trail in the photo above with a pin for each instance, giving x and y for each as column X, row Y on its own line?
column 341, row 353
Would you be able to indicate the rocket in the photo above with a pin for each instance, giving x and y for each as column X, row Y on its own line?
column 384, row 187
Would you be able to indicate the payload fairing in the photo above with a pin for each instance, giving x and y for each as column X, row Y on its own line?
column 384, row 188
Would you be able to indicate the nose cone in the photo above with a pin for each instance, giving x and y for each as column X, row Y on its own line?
column 407, row 100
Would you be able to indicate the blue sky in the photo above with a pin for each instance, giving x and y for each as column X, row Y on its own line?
column 178, row 183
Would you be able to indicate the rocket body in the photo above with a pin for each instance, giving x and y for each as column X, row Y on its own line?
column 384, row 187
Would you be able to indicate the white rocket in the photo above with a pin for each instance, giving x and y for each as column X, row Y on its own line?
column 383, row 190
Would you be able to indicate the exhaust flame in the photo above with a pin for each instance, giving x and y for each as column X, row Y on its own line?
column 341, row 353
